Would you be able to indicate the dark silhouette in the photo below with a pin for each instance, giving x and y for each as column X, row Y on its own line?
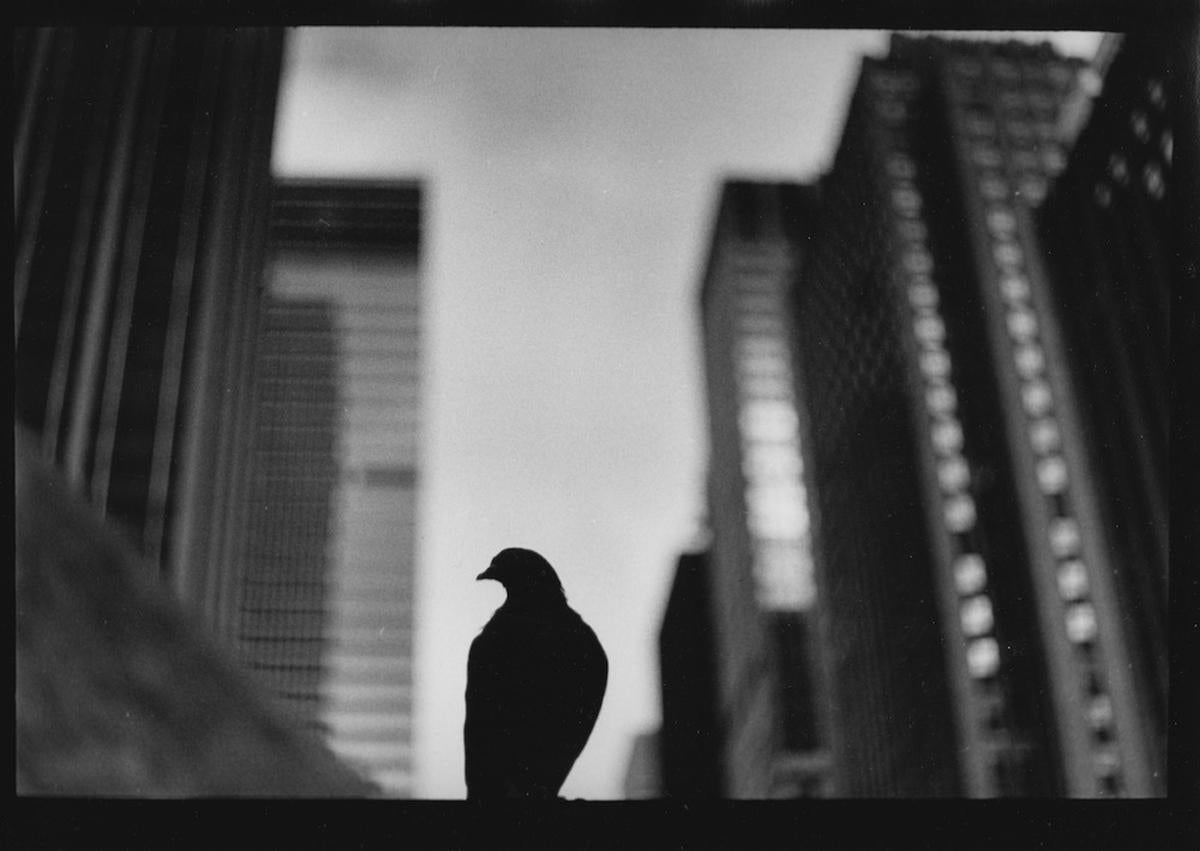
column 536, row 676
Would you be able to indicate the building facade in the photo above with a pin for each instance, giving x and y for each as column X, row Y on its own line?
column 1107, row 219
column 326, row 596
column 970, row 606
column 141, row 164
column 761, row 585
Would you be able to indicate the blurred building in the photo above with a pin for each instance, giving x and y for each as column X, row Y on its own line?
column 761, row 583
column 689, row 738
column 972, row 604
column 326, row 597
column 643, row 775
column 1107, row 220
column 140, row 178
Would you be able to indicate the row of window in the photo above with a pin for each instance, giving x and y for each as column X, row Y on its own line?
column 976, row 615
column 776, row 503
column 1045, row 439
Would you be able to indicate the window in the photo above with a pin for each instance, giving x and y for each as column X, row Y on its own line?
column 941, row 399
column 1072, row 580
column 1030, row 360
column 947, row 436
column 1052, row 474
column 1064, row 537
column 1036, row 398
column 922, row 294
column 976, row 614
column 1044, row 436
column 1081, row 623
column 1014, row 287
column 960, row 513
column 983, row 657
column 1022, row 324
column 953, row 474
column 969, row 574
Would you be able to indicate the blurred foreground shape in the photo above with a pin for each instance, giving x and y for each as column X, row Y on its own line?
column 117, row 692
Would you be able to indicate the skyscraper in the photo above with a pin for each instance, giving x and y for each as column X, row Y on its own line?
column 761, row 586
column 141, row 165
column 977, row 638
column 330, row 568
column 690, row 736
column 1107, row 220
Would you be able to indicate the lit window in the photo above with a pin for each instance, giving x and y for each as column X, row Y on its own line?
column 1044, row 436
column 1001, row 222
column 930, row 330
column 993, row 188
column 977, row 617
column 1052, row 474
column 1158, row 95
column 1064, row 537
column 1118, row 169
column 922, row 294
column 935, row 363
column 1103, row 194
column 772, row 461
column 1014, row 287
column 941, row 399
column 1090, row 81
column 918, row 261
column 901, row 166
column 1036, row 398
column 1053, row 159
column 912, row 230
column 1007, row 254
column 947, row 436
column 1100, row 711
column 953, row 474
column 907, row 201
column 960, row 513
column 1167, row 145
column 1022, row 324
column 1081, row 623
column 1140, row 125
column 983, row 657
column 769, row 420
column 1072, row 580
column 969, row 574
column 1152, row 175
column 1030, row 360
column 777, row 511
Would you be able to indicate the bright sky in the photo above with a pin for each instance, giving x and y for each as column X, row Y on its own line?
column 570, row 179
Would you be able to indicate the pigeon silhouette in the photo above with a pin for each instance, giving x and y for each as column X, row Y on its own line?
column 536, row 676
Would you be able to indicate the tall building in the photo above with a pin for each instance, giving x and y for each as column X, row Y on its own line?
column 689, row 737
column 1107, row 219
column 289, row 516
column 761, row 584
column 971, row 603
column 643, row 774
column 326, row 600
column 141, row 169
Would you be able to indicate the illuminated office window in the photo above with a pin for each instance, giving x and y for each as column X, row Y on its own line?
column 983, row 657
column 970, row 576
column 1030, row 360
column 1081, row 623
column 1022, row 324
column 1044, row 435
column 941, row 399
column 977, row 616
column 960, row 513
column 1072, row 580
column 1052, row 474
column 947, row 436
column 1036, row 398
column 1014, row 287
column 953, row 474
column 1064, row 537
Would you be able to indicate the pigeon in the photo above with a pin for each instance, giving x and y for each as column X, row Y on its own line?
column 536, row 676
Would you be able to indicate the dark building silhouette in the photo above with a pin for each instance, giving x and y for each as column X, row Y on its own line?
column 689, row 739
column 761, row 582
column 325, row 600
column 141, row 178
column 971, row 606
column 643, row 774
column 1106, row 226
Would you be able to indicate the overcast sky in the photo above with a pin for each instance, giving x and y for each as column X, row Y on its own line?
column 570, row 178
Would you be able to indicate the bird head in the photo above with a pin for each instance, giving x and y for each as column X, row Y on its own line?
column 525, row 575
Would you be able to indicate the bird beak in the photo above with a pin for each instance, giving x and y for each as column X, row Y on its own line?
column 487, row 574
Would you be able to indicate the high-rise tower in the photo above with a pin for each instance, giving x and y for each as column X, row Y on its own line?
column 977, row 637
column 330, row 571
